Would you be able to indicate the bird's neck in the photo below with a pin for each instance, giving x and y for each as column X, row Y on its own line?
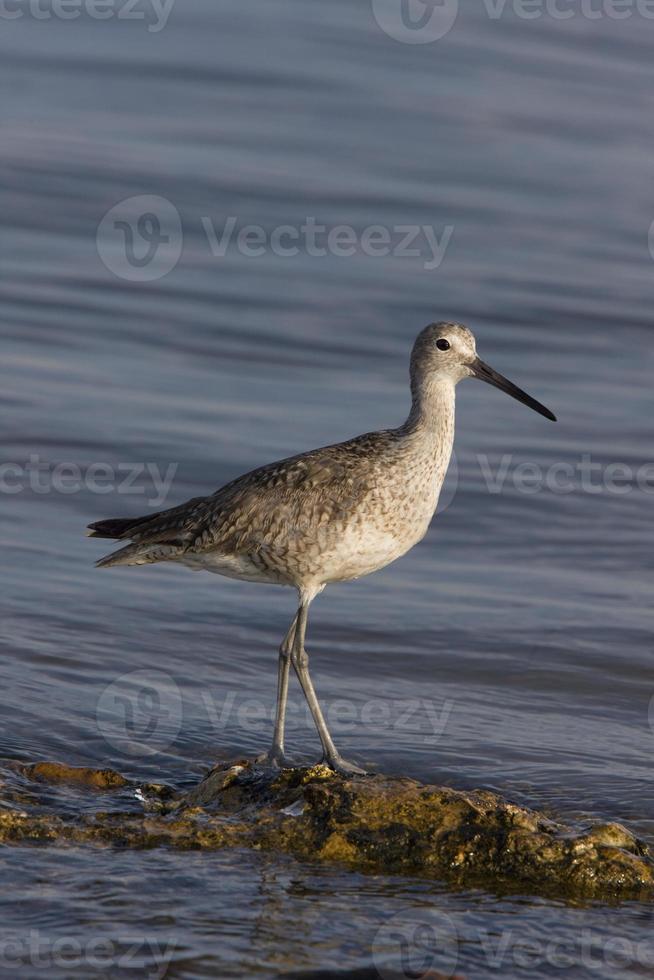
column 430, row 424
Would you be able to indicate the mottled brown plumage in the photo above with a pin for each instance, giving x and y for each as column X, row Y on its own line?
column 285, row 522
column 327, row 515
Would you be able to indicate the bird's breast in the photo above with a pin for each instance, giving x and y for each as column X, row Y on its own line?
column 393, row 518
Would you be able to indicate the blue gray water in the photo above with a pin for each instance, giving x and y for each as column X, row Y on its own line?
column 512, row 649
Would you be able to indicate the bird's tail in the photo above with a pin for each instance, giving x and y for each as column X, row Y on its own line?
column 115, row 527
column 138, row 554
column 154, row 537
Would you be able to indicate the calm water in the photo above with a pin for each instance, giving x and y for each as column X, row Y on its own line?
column 512, row 649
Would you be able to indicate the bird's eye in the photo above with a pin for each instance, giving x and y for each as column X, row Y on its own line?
column 443, row 344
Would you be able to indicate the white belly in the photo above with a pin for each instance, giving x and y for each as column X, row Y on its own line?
column 372, row 537
column 368, row 550
column 232, row 566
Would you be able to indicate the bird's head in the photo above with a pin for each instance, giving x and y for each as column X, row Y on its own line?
column 447, row 351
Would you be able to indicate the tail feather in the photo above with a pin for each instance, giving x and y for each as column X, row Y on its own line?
column 115, row 527
column 155, row 537
column 138, row 554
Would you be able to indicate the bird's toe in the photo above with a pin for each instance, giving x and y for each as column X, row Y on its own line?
column 274, row 759
column 343, row 767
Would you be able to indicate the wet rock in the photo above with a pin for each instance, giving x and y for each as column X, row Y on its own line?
column 374, row 824
column 381, row 824
column 214, row 784
column 59, row 772
column 16, row 825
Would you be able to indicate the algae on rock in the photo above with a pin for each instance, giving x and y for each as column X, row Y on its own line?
column 376, row 824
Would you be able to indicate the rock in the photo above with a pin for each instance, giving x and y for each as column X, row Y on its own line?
column 59, row 772
column 375, row 824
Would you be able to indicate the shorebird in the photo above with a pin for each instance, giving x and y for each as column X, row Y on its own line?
column 329, row 515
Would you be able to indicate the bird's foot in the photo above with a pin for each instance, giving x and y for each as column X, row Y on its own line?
column 343, row 767
column 274, row 759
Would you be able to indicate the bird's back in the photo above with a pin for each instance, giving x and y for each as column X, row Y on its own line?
column 283, row 516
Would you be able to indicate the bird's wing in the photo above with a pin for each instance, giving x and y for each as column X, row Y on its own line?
column 287, row 500
column 291, row 498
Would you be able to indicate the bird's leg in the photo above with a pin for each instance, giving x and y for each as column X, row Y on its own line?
column 276, row 755
column 300, row 661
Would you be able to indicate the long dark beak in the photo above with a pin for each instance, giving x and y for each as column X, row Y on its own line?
column 486, row 373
